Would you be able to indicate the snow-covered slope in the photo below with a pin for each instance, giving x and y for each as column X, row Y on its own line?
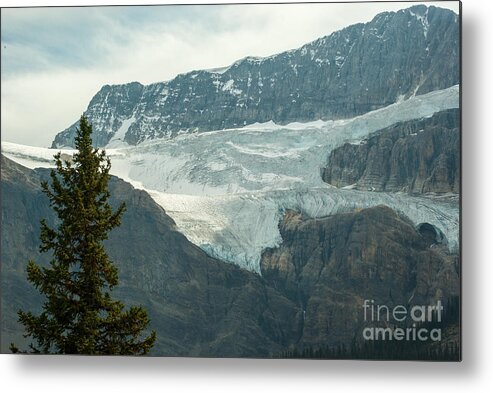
column 236, row 228
column 227, row 189
column 260, row 157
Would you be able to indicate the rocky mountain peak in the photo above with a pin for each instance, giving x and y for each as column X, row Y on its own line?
column 350, row 72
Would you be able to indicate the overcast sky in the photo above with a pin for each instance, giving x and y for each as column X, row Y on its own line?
column 55, row 59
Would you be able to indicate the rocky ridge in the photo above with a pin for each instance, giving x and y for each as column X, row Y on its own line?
column 350, row 72
column 418, row 157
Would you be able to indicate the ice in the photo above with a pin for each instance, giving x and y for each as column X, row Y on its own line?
column 262, row 157
column 118, row 139
column 237, row 228
column 227, row 189
column 32, row 156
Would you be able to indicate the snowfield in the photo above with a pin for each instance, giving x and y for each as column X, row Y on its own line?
column 227, row 189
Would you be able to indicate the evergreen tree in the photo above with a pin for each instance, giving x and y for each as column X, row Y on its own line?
column 79, row 316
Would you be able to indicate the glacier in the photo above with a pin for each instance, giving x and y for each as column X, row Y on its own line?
column 227, row 189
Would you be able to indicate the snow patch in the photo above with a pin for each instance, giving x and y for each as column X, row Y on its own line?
column 118, row 138
column 219, row 70
column 229, row 87
column 423, row 19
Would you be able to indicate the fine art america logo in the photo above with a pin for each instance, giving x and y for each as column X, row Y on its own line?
column 419, row 322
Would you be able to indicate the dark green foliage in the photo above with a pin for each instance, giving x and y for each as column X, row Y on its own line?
column 391, row 350
column 380, row 350
column 79, row 316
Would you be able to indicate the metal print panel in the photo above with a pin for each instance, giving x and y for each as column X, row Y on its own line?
column 263, row 180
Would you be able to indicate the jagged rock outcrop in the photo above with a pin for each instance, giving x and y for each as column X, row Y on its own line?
column 352, row 71
column 418, row 156
column 329, row 266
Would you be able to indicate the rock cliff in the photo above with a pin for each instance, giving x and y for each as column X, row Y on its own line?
column 418, row 156
column 329, row 266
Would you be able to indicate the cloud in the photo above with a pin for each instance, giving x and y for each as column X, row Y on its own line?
column 55, row 59
column 35, row 107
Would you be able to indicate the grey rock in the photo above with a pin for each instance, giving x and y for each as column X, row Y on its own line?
column 350, row 72
column 329, row 266
column 418, row 157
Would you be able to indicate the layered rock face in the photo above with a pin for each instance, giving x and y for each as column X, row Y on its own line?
column 419, row 156
column 329, row 266
column 352, row 71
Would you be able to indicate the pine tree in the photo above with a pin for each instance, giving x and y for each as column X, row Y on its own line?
column 79, row 316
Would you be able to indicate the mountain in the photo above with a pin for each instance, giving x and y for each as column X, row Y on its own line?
column 416, row 156
column 309, row 292
column 329, row 266
column 226, row 189
column 198, row 305
column 350, row 72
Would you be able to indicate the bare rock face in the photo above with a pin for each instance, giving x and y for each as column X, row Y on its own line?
column 329, row 266
column 418, row 156
column 350, row 72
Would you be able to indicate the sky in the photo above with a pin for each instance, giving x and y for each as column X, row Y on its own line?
column 55, row 59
